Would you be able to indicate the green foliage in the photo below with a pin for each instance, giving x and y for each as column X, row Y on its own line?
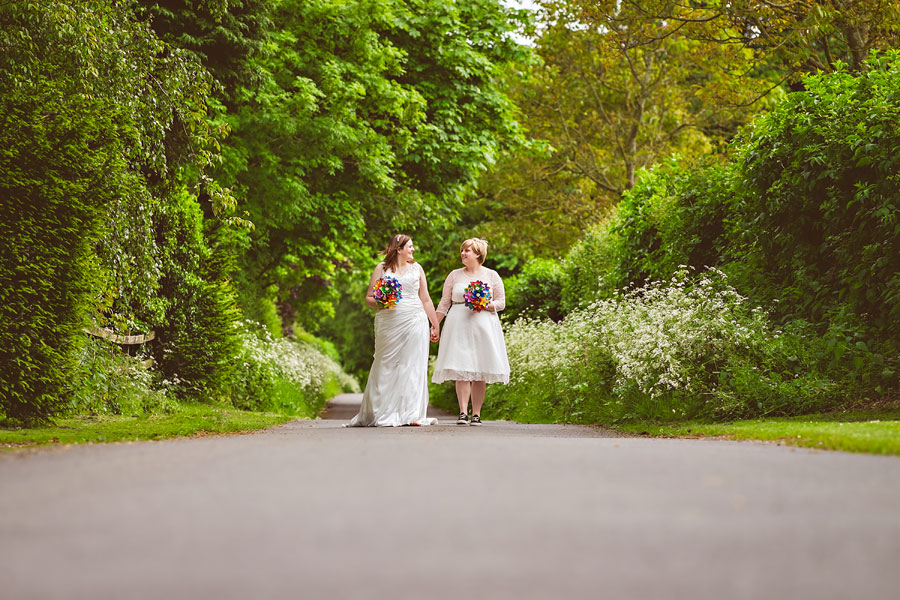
column 80, row 131
column 805, row 212
column 804, row 221
column 611, row 88
column 351, row 328
column 818, row 216
column 285, row 376
column 672, row 217
column 369, row 116
column 197, row 343
column 683, row 348
column 536, row 292
column 112, row 382
column 223, row 34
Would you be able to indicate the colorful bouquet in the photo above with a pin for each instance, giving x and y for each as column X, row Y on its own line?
column 477, row 295
column 388, row 292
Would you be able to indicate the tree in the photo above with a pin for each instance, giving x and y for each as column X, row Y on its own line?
column 614, row 89
column 370, row 116
column 224, row 35
column 792, row 36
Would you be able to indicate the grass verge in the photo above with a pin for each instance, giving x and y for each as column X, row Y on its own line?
column 873, row 432
column 191, row 419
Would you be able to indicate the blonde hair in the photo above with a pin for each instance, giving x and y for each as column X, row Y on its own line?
column 391, row 260
column 479, row 245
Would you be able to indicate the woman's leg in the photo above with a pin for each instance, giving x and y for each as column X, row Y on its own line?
column 478, row 390
column 463, row 390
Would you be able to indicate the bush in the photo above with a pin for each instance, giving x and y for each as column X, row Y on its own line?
column 818, row 224
column 671, row 217
column 283, row 375
column 684, row 348
column 351, row 328
column 88, row 96
column 113, row 382
column 59, row 169
column 536, row 292
column 804, row 219
column 197, row 344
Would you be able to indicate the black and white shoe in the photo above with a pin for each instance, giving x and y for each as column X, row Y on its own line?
column 463, row 419
column 476, row 420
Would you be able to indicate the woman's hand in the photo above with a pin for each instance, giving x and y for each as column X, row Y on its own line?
column 435, row 332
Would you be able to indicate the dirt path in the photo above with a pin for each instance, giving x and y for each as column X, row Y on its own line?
column 314, row 510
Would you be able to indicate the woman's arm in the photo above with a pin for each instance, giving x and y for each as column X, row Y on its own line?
column 425, row 297
column 370, row 294
column 498, row 295
column 446, row 298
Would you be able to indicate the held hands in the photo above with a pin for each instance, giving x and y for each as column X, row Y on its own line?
column 435, row 333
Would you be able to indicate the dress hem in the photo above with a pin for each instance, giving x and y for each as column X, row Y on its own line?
column 424, row 423
column 452, row 375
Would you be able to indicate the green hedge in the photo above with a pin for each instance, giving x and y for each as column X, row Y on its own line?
column 101, row 127
column 197, row 343
column 47, row 234
column 817, row 219
column 61, row 165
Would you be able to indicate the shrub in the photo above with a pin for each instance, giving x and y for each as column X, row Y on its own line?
column 197, row 343
column 818, row 224
column 536, row 292
column 682, row 348
column 59, row 168
column 671, row 217
column 113, row 382
column 88, row 96
column 283, row 375
column 351, row 328
column 589, row 267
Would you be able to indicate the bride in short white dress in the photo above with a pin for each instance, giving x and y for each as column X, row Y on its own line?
column 472, row 350
column 472, row 345
column 397, row 389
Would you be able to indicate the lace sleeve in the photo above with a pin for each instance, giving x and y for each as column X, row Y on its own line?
column 499, row 296
column 443, row 306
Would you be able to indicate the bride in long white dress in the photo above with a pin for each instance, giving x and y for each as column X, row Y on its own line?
column 397, row 390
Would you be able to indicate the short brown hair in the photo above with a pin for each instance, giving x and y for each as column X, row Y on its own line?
column 479, row 245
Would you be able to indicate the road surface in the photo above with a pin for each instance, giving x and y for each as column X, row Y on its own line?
column 314, row 510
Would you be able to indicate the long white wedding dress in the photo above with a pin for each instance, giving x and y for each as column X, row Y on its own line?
column 397, row 390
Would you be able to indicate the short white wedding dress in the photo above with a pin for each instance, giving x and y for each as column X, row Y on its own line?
column 472, row 345
column 397, row 390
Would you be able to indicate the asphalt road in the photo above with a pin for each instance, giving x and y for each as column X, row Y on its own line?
column 314, row 510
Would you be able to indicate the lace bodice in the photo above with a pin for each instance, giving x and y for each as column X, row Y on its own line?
column 455, row 286
column 409, row 280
